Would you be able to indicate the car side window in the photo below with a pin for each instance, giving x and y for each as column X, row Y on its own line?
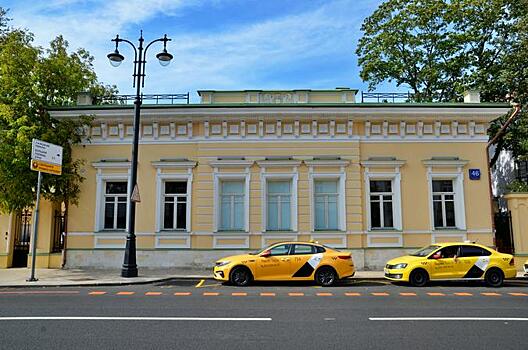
column 468, row 251
column 282, row 249
column 319, row 249
column 299, row 249
column 448, row 252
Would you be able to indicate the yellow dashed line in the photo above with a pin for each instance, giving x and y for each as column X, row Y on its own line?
column 463, row 294
column 408, row 294
column 353, row 294
column 181, row 294
column 324, row 294
column 200, row 284
column 241, row 294
column 97, row 293
column 382, row 294
column 519, row 294
column 210, row 294
column 267, row 294
column 491, row 294
column 153, row 293
column 296, row 294
column 435, row 294
column 125, row 293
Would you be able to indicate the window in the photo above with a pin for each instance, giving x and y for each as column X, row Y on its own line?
column 282, row 249
column 443, row 204
column 115, row 205
column 278, row 205
column 175, row 205
column 468, row 250
column 381, row 212
column 299, row 249
column 232, row 217
column 449, row 252
column 326, row 199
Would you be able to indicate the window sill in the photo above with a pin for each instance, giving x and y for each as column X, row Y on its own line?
column 329, row 231
column 445, row 229
column 172, row 232
column 384, row 229
column 112, row 231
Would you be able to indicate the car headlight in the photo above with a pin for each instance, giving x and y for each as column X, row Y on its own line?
column 222, row 263
column 399, row 266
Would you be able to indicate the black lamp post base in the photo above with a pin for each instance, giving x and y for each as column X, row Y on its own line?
column 129, row 272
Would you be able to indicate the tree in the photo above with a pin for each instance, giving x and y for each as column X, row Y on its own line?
column 31, row 79
column 440, row 48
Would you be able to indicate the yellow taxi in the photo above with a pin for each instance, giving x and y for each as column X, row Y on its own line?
column 286, row 261
column 452, row 261
column 526, row 268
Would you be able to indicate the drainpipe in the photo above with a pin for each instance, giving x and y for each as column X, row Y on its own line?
column 500, row 133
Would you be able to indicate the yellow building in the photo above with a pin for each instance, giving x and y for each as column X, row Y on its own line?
column 243, row 169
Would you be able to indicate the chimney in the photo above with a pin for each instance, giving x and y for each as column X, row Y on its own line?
column 84, row 99
column 472, row 96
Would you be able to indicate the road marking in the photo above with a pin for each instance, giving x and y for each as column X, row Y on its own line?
column 408, row 294
column 43, row 292
column 267, row 294
column 435, row 294
column 153, row 293
column 491, row 294
column 329, row 319
column 239, row 294
column 180, row 294
column 324, row 294
column 97, row 293
column 448, row 318
column 105, row 318
column 210, row 294
column 382, row 294
column 463, row 294
column 199, row 284
column 353, row 294
column 125, row 293
column 296, row 294
column 518, row 294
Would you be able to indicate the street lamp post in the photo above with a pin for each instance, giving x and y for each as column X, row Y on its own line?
column 129, row 268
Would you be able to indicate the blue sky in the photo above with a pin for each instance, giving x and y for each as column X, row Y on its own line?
column 217, row 44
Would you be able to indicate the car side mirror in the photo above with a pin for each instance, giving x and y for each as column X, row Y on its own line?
column 265, row 254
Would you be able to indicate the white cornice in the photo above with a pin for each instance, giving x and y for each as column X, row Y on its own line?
column 372, row 163
column 231, row 163
column 326, row 162
column 278, row 163
column 111, row 165
column 447, row 163
column 174, row 164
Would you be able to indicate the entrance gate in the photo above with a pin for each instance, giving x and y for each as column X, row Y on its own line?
column 22, row 237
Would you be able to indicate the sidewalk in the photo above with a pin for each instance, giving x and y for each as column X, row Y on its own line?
column 16, row 277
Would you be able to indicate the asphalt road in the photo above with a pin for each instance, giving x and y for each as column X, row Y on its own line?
column 207, row 315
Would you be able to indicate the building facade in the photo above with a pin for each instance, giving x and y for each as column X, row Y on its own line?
column 243, row 169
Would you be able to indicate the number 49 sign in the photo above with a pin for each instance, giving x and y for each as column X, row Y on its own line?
column 474, row 174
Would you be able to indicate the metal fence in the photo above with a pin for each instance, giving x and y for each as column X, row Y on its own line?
column 386, row 97
column 152, row 98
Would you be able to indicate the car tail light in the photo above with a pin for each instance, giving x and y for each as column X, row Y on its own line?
column 512, row 262
column 345, row 257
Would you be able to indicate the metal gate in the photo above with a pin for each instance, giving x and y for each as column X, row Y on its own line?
column 22, row 237
column 503, row 232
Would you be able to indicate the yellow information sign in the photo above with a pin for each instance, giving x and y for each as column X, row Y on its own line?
column 44, row 167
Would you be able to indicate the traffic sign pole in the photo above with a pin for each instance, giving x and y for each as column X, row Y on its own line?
column 35, row 231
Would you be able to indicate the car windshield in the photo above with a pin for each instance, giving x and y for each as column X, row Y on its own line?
column 425, row 251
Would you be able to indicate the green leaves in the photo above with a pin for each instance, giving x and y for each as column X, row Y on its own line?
column 32, row 79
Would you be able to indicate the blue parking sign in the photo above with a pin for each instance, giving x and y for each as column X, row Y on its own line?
column 474, row 174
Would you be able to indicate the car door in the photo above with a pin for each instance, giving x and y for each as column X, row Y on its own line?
column 473, row 261
column 443, row 263
column 302, row 263
column 276, row 266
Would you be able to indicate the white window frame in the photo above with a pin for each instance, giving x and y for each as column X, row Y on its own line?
column 294, row 179
column 115, row 202
column 458, row 188
column 161, row 178
column 395, row 179
column 218, row 178
column 101, row 180
column 341, row 199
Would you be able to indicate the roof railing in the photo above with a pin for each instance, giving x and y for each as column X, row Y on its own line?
column 386, row 97
column 158, row 98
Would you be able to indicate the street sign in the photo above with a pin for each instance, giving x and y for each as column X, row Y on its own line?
column 46, row 157
column 474, row 174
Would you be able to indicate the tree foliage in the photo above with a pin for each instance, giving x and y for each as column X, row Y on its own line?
column 31, row 79
column 441, row 48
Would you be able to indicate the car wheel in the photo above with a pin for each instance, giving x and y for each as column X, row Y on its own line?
column 419, row 278
column 240, row 276
column 325, row 276
column 494, row 278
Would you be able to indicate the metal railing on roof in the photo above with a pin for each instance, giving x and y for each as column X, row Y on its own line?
column 157, row 98
column 386, row 97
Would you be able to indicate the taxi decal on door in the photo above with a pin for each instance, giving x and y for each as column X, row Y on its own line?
column 309, row 267
column 478, row 269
